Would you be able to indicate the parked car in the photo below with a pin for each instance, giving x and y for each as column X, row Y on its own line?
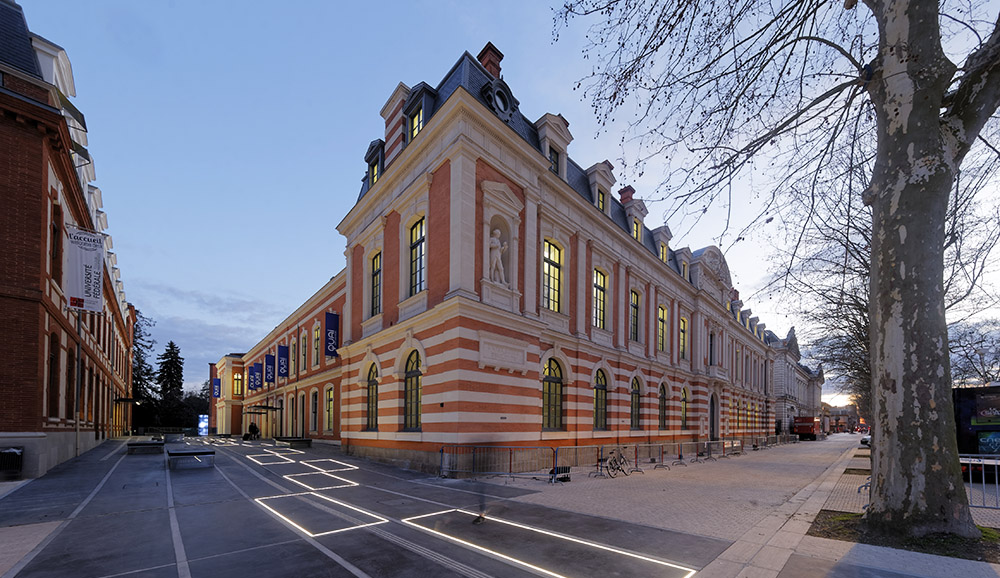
column 866, row 440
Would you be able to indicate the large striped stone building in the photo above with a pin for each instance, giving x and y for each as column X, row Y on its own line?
column 497, row 292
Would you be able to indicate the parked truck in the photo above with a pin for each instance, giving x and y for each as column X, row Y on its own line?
column 807, row 427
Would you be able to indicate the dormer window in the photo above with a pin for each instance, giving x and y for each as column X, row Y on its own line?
column 600, row 200
column 416, row 123
column 372, row 174
column 684, row 270
column 375, row 158
column 554, row 160
column 636, row 230
column 664, row 252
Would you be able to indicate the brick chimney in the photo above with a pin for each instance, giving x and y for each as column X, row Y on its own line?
column 626, row 193
column 490, row 58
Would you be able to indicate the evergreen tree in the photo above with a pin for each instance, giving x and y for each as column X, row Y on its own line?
column 170, row 376
column 143, row 376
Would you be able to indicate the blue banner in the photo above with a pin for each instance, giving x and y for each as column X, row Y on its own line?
column 251, row 385
column 216, row 387
column 332, row 334
column 282, row 361
column 268, row 368
column 258, row 375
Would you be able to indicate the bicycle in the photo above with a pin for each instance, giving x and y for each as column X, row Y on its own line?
column 617, row 463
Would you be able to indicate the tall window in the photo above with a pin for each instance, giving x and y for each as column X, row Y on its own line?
column 661, row 329
column 70, row 378
column 551, row 276
column 600, row 400
column 304, row 348
column 372, row 399
column 416, row 122
column 600, row 200
column 736, row 364
column 329, row 409
column 633, row 318
column 684, row 339
column 411, row 392
column 711, row 349
column 661, row 409
column 684, row 270
column 292, row 358
column 552, row 401
column 56, row 254
column 314, row 408
column 553, row 160
column 237, row 384
column 54, row 374
column 372, row 174
column 417, row 254
column 684, row 408
column 636, row 229
column 600, row 284
column 316, row 344
column 664, row 252
column 636, row 400
column 376, row 284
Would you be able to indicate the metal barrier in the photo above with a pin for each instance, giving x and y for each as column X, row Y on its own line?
column 983, row 473
column 499, row 461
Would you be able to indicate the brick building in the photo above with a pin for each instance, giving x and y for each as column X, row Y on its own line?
column 46, row 175
column 496, row 292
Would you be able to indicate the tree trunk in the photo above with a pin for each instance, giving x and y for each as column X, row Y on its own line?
column 917, row 485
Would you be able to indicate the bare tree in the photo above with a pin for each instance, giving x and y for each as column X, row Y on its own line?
column 722, row 85
column 975, row 352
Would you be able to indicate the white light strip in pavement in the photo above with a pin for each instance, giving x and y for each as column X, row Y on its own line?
column 690, row 571
column 346, row 484
column 344, row 467
column 380, row 519
column 282, row 451
column 269, row 456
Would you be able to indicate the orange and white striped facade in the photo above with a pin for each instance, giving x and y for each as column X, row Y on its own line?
column 495, row 293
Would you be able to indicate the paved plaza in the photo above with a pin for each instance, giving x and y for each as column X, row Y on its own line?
column 260, row 509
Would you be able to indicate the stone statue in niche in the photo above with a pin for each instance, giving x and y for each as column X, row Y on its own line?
column 497, row 249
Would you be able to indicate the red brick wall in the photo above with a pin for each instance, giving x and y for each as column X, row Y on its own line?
column 23, row 87
column 390, row 270
column 439, row 235
column 357, row 305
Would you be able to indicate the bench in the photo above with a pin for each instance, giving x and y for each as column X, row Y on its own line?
column 150, row 447
column 177, row 454
column 294, row 443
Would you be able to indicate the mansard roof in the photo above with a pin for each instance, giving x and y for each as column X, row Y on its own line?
column 16, row 50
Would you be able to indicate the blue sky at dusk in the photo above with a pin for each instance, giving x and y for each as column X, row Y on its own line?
column 229, row 139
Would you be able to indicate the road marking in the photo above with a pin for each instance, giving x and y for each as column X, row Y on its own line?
column 358, row 524
column 183, row 570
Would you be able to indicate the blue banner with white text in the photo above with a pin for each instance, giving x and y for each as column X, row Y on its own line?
column 258, row 375
column 269, row 368
column 282, row 361
column 216, row 387
column 332, row 334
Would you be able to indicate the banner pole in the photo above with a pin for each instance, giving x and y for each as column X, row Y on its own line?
column 76, row 398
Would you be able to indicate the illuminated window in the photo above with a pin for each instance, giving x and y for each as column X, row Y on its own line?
column 633, row 316
column 372, row 174
column 554, row 160
column 684, row 270
column 600, row 284
column 416, row 123
column 551, row 276
column 661, row 329
column 411, row 392
column 316, row 344
column 636, row 400
column 237, row 384
column 683, row 338
column 418, row 244
column 600, row 200
column 552, row 402
column 600, row 400
column 684, row 408
column 636, row 230
column 661, row 410
column 372, row 399
column 664, row 252
column 376, row 286
column 329, row 409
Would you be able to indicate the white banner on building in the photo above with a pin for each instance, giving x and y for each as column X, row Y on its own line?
column 85, row 271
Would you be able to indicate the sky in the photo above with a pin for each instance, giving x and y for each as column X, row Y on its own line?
column 229, row 138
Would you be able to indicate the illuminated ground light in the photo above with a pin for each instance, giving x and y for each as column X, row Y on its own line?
column 274, row 509
column 328, row 477
column 411, row 521
column 329, row 465
column 269, row 459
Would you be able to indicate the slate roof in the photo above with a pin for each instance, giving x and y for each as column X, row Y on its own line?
column 15, row 40
column 468, row 73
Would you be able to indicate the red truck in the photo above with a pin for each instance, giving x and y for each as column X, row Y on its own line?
column 807, row 427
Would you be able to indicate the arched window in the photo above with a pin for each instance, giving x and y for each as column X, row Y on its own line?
column 661, row 409
column 329, row 409
column 684, row 408
column 600, row 400
column 411, row 392
column 636, row 400
column 372, row 399
column 552, row 401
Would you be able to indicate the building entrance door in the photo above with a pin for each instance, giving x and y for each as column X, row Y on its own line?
column 713, row 418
